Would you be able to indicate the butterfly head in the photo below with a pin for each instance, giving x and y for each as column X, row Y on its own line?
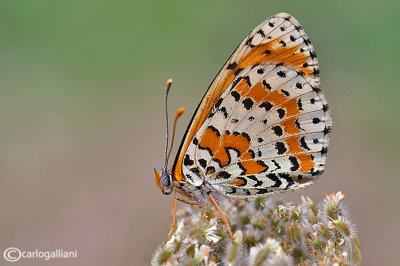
column 164, row 181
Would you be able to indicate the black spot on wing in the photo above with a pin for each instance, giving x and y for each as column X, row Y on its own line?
column 266, row 105
column 261, row 32
column 255, row 179
column 232, row 65
column 237, row 71
column 316, row 89
column 187, row 161
column 299, row 104
column 288, row 179
column 224, row 112
column 267, row 52
column 218, row 103
column 202, row 163
column 195, row 171
column 297, row 123
column 275, row 179
column 281, row 113
column 244, row 134
column 252, row 154
column 231, row 190
column 285, row 92
column 303, row 143
column 316, row 120
column 223, row 175
column 281, row 74
column 278, row 130
column 276, row 165
column 266, row 84
column 248, row 103
column 249, row 40
column 280, row 147
column 327, row 130
column 210, row 170
column 295, row 163
column 234, row 120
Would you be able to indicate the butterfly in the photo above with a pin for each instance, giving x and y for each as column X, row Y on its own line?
column 262, row 127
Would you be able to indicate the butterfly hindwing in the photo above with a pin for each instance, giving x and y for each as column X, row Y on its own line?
column 268, row 129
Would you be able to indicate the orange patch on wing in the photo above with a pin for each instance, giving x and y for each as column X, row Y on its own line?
column 258, row 92
column 289, row 126
column 210, row 140
column 237, row 182
column 291, row 107
column 273, row 51
column 275, row 97
column 238, row 142
column 242, row 88
column 218, row 145
column 297, row 60
column 253, row 167
column 294, row 145
column 306, row 162
column 246, row 156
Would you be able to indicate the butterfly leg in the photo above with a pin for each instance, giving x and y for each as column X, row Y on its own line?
column 203, row 214
column 228, row 228
column 173, row 221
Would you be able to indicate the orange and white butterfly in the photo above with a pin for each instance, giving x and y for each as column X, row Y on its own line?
column 261, row 128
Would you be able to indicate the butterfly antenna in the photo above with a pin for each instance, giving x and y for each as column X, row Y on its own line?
column 167, row 87
column 178, row 114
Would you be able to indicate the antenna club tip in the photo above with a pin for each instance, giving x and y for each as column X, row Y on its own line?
column 181, row 111
column 168, row 84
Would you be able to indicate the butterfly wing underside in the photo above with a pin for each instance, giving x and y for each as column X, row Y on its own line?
column 263, row 126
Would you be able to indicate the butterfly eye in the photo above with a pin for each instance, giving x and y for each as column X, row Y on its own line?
column 165, row 180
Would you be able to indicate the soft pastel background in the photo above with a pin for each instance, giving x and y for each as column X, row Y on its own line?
column 82, row 122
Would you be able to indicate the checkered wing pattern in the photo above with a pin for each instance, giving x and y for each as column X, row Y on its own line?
column 263, row 126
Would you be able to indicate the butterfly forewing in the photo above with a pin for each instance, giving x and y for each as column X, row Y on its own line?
column 263, row 126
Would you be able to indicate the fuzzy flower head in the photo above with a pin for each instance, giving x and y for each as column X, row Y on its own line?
column 265, row 232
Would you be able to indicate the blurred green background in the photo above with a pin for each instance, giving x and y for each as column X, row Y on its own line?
column 81, row 115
